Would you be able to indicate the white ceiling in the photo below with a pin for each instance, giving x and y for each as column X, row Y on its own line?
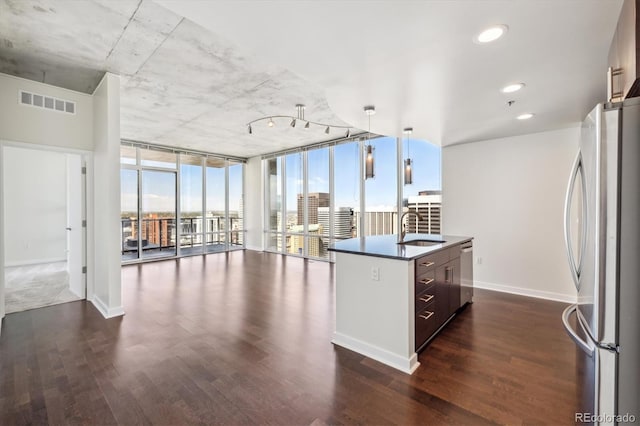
column 416, row 62
column 196, row 82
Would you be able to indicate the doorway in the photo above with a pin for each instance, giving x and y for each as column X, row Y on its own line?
column 44, row 229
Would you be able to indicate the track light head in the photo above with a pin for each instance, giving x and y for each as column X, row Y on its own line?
column 348, row 133
column 293, row 123
column 327, row 130
column 306, row 126
column 271, row 123
column 249, row 129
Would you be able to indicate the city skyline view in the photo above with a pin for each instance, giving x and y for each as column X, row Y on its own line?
column 159, row 188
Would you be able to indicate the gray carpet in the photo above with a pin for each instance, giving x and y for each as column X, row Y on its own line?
column 35, row 286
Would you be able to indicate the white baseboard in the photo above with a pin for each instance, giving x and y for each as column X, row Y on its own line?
column 254, row 248
column 105, row 310
column 558, row 297
column 406, row 365
column 35, row 262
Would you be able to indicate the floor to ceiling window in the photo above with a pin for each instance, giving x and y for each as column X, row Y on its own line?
column 235, row 212
column 318, row 203
column 294, row 204
column 381, row 192
column 215, row 216
column 176, row 204
column 424, row 195
column 347, row 176
column 317, row 195
column 274, row 204
column 191, row 217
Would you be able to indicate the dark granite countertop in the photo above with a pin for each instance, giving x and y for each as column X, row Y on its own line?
column 387, row 245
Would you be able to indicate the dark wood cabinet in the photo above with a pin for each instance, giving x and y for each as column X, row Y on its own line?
column 453, row 276
column 437, row 292
column 623, row 54
column 442, row 294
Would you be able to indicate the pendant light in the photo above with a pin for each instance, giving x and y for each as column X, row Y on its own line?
column 408, row 172
column 369, row 159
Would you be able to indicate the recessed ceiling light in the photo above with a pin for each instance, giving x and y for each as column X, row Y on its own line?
column 512, row 88
column 525, row 116
column 491, row 34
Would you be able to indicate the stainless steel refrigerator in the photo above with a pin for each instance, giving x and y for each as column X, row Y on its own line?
column 602, row 236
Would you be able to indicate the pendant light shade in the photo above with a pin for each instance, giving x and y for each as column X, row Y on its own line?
column 408, row 173
column 369, row 163
column 408, row 164
column 369, row 160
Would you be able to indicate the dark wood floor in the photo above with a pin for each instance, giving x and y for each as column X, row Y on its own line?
column 244, row 338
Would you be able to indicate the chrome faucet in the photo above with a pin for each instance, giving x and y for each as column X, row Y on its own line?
column 403, row 232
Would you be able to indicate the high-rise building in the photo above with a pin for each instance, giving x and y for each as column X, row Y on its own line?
column 314, row 201
column 429, row 205
column 342, row 222
column 378, row 222
column 295, row 243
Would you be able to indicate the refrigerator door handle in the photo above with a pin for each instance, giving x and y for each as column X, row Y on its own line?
column 573, row 265
column 589, row 350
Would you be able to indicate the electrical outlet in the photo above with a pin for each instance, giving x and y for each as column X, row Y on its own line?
column 375, row 273
column 479, row 260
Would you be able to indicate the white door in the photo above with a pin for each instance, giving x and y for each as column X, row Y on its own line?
column 75, row 230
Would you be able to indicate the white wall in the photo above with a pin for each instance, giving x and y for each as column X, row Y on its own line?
column 22, row 123
column 254, row 205
column 36, row 206
column 104, row 256
column 95, row 127
column 509, row 194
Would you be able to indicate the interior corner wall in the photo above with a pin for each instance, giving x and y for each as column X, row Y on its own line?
column 105, row 203
column 38, row 202
column 254, row 206
column 509, row 195
column 28, row 124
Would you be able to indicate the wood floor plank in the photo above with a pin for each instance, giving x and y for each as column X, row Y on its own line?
column 244, row 338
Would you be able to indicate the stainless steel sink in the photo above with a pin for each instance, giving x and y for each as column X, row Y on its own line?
column 422, row 243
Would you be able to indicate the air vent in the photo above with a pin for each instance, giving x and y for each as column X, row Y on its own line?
column 46, row 102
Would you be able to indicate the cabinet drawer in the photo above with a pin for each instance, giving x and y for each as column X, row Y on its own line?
column 426, row 300
column 425, row 281
column 429, row 262
column 425, row 325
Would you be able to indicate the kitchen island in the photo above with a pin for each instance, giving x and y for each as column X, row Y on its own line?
column 392, row 299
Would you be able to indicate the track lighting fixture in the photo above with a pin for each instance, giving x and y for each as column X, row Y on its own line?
column 299, row 117
column 369, row 160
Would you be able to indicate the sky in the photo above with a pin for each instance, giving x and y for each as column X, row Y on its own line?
column 380, row 190
column 158, row 187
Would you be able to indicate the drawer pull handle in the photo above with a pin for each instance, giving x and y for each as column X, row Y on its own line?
column 426, row 317
column 427, row 280
column 427, row 264
column 427, row 298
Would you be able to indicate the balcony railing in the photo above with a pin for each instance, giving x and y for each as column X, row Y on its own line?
column 158, row 235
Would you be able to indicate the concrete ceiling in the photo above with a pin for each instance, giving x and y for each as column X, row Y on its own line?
column 181, row 84
column 194, row 73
